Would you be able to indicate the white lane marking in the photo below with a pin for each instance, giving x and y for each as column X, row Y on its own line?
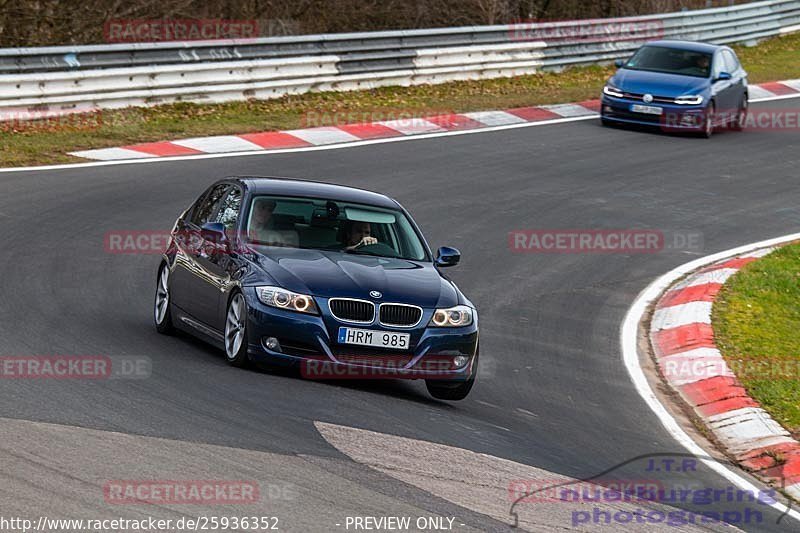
column 412, row 126
column 218, row 144
column 494, row 118
column 629, row 341
column 480, row 482
column 111, row 154
column 681, row 315
column 324, row 135
column 569, row 110
column 262, row 152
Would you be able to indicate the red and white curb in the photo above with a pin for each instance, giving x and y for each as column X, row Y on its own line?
column 683, row 341
column 352, row 133
column 344, row 134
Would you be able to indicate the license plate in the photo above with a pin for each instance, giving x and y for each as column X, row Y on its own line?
column 649, row 109
column 371, row 337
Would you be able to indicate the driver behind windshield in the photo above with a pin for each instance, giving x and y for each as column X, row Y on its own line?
column 358, row 234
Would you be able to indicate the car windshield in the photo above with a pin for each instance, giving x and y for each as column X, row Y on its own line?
column 671, row 61
column 319, row 224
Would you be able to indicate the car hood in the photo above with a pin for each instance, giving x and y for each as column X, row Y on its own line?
column 658, row 83
column 335, row 274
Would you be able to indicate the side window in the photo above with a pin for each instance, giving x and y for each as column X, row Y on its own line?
column 208, row 206
column 229, row 209
column 731, row 63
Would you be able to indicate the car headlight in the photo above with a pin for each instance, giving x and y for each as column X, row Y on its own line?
column 283, row 299
column 454, row 317
column 610, row 90
column 692, row 99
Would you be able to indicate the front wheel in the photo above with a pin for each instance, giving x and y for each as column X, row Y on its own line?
column 453, row 390
column 235, row 332
column 162, row 311
column 708, row 122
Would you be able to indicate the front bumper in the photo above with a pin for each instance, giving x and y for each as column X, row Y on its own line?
column 673, row 118
column 310, row 342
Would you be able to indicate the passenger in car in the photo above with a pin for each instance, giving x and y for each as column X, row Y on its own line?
column 262, row 227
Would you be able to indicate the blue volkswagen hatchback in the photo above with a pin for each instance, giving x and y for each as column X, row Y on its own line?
column 678, row 85
column 336, row 280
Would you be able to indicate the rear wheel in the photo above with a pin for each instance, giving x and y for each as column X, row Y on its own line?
column 235, row 331
column 738, row 122
column 453, row 390
column 162, row 311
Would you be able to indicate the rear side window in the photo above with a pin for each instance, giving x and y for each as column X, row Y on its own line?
column 229, row 209
column 210, row 204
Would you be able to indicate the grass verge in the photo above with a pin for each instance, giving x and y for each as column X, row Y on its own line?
column 47, row 142
column 756, row 321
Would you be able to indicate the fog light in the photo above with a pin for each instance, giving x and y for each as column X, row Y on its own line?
column 271, row 343
column 460, row 360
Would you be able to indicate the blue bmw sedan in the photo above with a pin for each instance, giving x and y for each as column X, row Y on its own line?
column 679, row 86
column 336, row 280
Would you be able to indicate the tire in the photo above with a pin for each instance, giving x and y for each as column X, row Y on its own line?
column 162, row 306
column 453, row 390
column 708, row 123
column 737, row 123
column 235, row 338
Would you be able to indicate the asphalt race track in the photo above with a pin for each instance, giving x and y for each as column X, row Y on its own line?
column 552, row 391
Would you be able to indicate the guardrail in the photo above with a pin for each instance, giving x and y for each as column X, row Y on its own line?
column 69, row 79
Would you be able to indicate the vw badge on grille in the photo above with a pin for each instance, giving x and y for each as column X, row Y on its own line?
column 647, row 98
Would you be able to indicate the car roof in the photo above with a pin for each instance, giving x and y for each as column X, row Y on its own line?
column 314, row 189
column 694, row 46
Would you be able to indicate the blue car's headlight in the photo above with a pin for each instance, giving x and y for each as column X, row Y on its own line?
column 610, row 90
column 689, row 99
column 283, row 299
column 454, row 317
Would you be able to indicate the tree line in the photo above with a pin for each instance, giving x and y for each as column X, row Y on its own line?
column 62, row 22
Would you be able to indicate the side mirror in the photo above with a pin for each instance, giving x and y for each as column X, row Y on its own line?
column 619, row 62
column 214, row 232
column 724, row 76
column 447, row 256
